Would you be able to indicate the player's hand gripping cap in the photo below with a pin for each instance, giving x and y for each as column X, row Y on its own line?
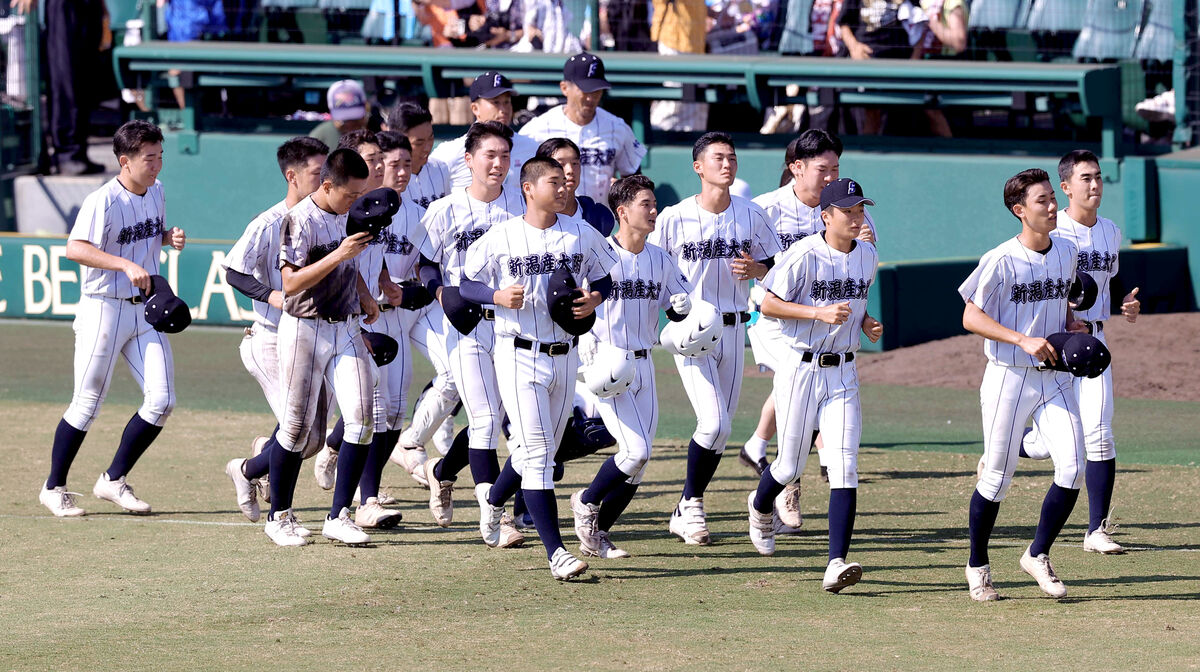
column 1083, row 292
column 697, row 334
column 373, row 211
column 384, row 348
column 463, row 314
column 165, row 311
column 561, row 292
column 414, row 295
column 1081, row 355
column 611, row 371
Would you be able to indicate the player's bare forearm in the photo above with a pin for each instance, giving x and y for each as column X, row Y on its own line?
column 773, row 306
column 978, row 322
column 300, row 278
column 367, row 302
column 83, row 252
column 586, row 304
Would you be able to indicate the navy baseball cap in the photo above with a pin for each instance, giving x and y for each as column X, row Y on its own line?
column 843, row 193
column 489, row 85
column 373, row 211
column 165, row 311
column 561, row 292
column 586, row 71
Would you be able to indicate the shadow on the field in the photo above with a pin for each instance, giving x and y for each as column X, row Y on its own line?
column 897, row 475
column 902, row 444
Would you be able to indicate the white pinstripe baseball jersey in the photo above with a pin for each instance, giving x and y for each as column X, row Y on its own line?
column 123, row 224
column 429, row 185
column 643, row 284
column 256, row 254
column 813, row 273
column 1098, row 246
column 793, row 218
column 398, row 245
column 517, row 252
column 705, row 243
column 455, row 222
column 453, row 154
column 1023, row 290
column 606, row 145
column 306, row 235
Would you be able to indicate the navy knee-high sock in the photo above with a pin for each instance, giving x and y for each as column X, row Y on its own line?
column 456, row 458
column 982, row 520
column 335, row 438
column 1100, row 477
column 507, row 484
column 67, row 441
column 843, row 504
column 285, row 469
column 614, row 505
column 768, row 490
column 701, row 467
column 136, row 438
column 544, row 509
column 518, row 508
column 377, row 459
column 352, row 457
column 609, row 478
column 1056, row 508
column 260, row 465
column 485, row 466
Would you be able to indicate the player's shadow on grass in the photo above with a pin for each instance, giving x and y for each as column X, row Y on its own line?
column 871, row 476
column 901, row 444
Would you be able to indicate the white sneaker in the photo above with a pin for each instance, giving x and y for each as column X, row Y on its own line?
column 263, row 483
column 118, row 492
column 564, row 566
column 979, row 582
column 1039, row 568
column 296, row 526
column 607, row 549
column 60, row 502
column 762, row 528
column 1100, row 541
column 441, row 495
column 489, row 516
column 343, row 529
column 585, row 524
column 413, row 459
column 841, row 574
column 688, row 522
column 246, row 492
column 382, row 498
column 325, row 468
column 282, row 530
column 787, row 506
column 510, row 536
column 372, row 515
column 780, row 528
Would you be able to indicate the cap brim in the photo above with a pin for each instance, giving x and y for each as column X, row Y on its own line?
column 348, row 113
column 852, row 201
column 590, row 85
column 494, row 92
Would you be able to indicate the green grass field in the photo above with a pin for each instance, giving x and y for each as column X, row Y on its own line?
column 195, row 586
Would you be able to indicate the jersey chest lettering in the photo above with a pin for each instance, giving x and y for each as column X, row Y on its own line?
column 592, row 156
column 465, row 239
column 319, row 252
column 149, row 228
column 847, row 289
column 1050, row 289
column 1093, row 261
column 786, row 239
column 393, row 244
column 715, row 248
column 636, row 290
column 543, row 264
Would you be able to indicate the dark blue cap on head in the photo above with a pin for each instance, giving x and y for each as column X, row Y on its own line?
column 586, row 71
column 489, row 85
column 843, row 193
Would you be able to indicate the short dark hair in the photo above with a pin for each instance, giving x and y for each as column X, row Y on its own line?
column 342, row 165
column 486, row 129
column 1017, row 186
column 808, row 145
column 624, row 190
column 404, row 117
column 1066, row 165
column 711, row 138
column 298, row 151
column 533, row 169
column 552, row 145
column 355, row 139
column 133, row 135
column 392, row 140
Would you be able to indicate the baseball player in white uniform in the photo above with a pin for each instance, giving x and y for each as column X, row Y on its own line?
column 646, row 280
column 117, row 238
column 818, row 292
column 719, row 242
column 454, row 225
column 1098, row 241
column 430, row 178
column 1015, row 298
column 606, row 143
column 536, row 358
column 491, row 100
column 252, row 268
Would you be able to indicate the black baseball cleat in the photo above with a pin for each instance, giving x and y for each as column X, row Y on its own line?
column 759, row 467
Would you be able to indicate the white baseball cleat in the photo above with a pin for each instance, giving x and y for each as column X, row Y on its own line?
column 489, row 516
column 841, row 574
column 688, row 522
column 60, row 502
column 372, row 515
column 607, row 549
column 564, row 566
column 762, row 528
column 247, row 493
column 344, row 530
column 979, row 582
column 413, row 459
column 510, row 536
column 780, row 528
column 263, row 483
column 325, row 467
column 1039, row 568
column 382, row 498
column 118, row 492
column 1100, row 540
column 441, row 495
column 787, row 505
column 282, row 530
column 295, row 523
column 585, row 524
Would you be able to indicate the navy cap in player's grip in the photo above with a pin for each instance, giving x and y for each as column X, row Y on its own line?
column 1083, row 292
column 384, row 348
column 414, row 296
column 373, row 211
column 561, row 292
column 463, row 314
column 165, row 311
column 1081, row 355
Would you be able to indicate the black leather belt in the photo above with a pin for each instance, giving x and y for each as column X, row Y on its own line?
column 641, row 354
column 489, row 314
column 826, row 360
column 1094, row 325
column 334, row 320
column 135, row 300
column 385, row 307
column 731, row 319
column 552, row 349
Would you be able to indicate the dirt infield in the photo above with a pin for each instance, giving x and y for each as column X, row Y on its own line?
column 1154, row 358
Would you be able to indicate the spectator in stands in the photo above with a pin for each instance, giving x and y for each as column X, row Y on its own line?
column 625, row 25
column 876, row 29
column 947, row 26
column 547, row 28
column 343, row 18
column 348, row 111
column 498, row 27
column 679, row 27
column 189, row 20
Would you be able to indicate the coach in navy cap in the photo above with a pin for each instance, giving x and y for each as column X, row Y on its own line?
column 586, row 71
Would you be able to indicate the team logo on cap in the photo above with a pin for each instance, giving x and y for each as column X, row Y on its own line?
column 851, row 187
column 496, row 81
column 592, row 69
